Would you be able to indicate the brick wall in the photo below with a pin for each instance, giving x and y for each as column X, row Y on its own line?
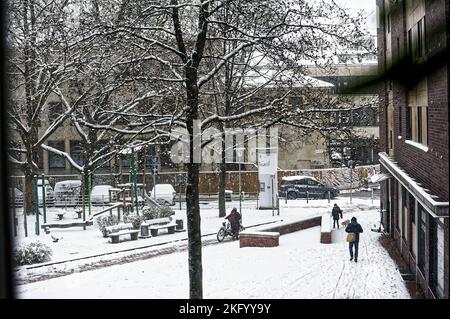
column 258, row 241
column 296, row 226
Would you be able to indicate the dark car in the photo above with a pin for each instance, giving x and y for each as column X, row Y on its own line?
column 298, row 186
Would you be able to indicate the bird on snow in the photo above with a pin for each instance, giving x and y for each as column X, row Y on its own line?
column 56, row 239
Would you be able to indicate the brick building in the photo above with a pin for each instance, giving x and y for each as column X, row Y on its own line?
column 413, row 40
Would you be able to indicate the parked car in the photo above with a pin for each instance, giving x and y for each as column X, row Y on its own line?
column 100, row 194
column 67, row 193
column 165, row 194
column 297, row 187
column 49, row 193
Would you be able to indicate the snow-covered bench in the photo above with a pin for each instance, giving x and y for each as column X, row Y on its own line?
column 67, row 225
column 258, row 239
column 325, row 229
column 114, row 232
column 161, row 223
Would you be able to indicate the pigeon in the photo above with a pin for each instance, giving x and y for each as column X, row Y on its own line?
column 56, row 239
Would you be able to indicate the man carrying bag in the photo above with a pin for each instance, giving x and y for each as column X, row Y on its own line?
column 353, row 229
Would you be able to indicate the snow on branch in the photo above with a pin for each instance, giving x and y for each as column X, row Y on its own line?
column 65, row 155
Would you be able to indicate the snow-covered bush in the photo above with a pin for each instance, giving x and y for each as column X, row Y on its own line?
column 105, row 221
column 156, row 212
column 134, row 219
column 31, row 253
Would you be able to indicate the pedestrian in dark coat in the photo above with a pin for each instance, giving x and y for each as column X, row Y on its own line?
column 235, row 221
column 336, row 213
column 355, row 228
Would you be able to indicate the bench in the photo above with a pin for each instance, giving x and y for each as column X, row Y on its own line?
column 161, row 223
column 114, row 232
column 258, row 239
column 60, row 215
column 67, row 225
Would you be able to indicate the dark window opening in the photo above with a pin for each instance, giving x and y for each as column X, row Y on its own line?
column 56, row 160
column 421, row 237
column 55, row 109
column 408, row 123
column 419, row 124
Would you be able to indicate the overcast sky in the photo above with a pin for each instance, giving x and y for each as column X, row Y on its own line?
column 369, row 7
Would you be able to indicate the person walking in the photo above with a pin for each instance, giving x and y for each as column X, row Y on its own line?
column 354, row 229
column 336, row 213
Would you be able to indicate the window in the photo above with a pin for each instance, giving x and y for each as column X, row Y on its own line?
column 410, row 44
column 312, row 183
column 408, row 123
column 419, row 124
column 55, row 160
column 77, row 152
column 295, row 101
column 420, row 39
column 416, row 41
column 412, row 209
column 54, row 110
column 421, row 237
column 388, row 22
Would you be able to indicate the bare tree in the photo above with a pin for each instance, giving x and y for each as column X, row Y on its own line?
column 39, row 62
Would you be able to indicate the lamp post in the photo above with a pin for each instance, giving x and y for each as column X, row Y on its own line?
column 350, row 164
column 240, row 155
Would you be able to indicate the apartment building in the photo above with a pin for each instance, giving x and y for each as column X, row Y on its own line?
column 413, row 40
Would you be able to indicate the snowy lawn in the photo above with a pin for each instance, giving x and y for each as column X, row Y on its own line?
column 300, row 267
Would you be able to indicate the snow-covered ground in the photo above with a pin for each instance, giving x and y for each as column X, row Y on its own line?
column 300, row 267
column 78, row 243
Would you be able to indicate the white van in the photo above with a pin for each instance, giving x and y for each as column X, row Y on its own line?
column 165, row 194
column 67, row 193
column 49, row 193
column 100, row 194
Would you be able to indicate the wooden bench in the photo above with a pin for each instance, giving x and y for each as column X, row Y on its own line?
column 161, row 223
column 60, row 215
column 258, row 239
column 114, row 232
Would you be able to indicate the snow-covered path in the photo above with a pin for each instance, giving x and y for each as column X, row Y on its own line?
column 300, row 267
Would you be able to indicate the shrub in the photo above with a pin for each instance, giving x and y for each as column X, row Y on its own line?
column 35, row 252
column 156, row 212
column 134, row 219
column 105, row 221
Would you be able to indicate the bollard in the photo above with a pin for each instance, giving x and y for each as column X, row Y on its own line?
column 144, row 230
column 179, row 223
column 36, row 204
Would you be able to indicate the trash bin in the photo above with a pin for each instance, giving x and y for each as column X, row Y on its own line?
column 144, row 230
column 179, row 223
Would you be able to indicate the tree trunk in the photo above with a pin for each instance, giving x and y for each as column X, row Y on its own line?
column 222, row 176
column 29, row 193
column 192, row 192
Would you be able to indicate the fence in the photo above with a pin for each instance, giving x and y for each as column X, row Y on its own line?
column 209, row 181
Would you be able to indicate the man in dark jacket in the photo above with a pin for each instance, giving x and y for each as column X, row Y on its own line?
column 336, row 213
column 355, row 228
column 235, row 221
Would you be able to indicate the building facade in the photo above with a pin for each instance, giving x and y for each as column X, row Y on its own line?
column 413, row 38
